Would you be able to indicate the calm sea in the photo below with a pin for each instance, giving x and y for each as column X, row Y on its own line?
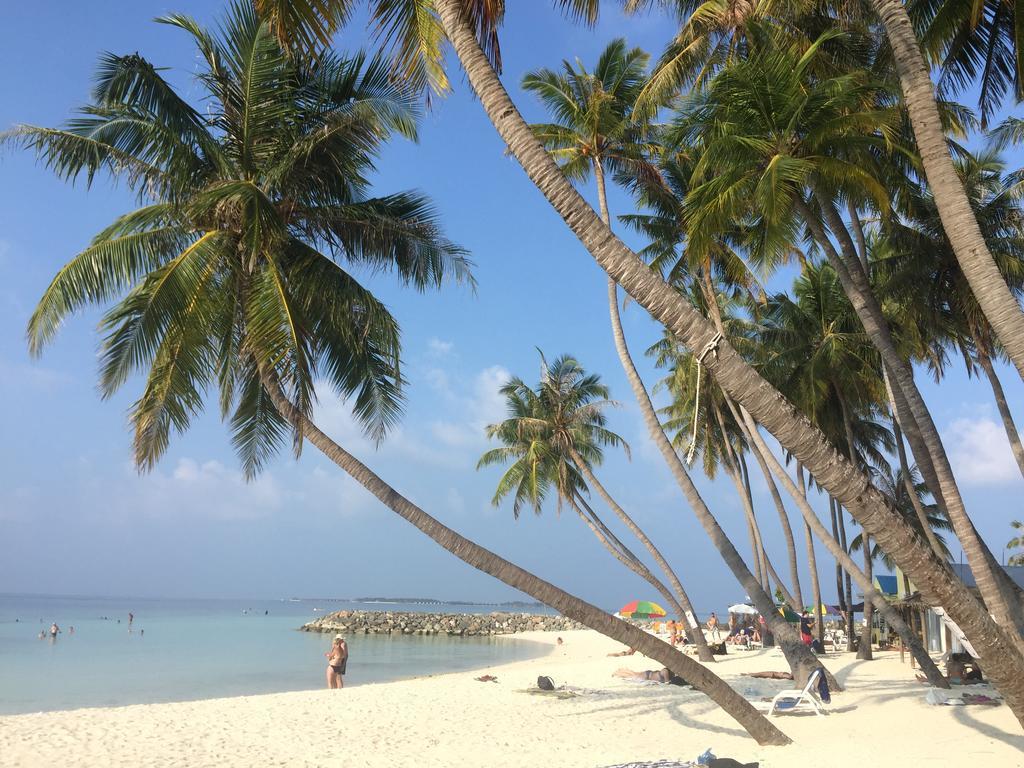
column 197, row 649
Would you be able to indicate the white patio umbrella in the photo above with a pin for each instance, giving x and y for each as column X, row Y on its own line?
column 741, row 608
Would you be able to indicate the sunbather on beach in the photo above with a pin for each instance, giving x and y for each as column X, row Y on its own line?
column 663, row 675
column 627, row 652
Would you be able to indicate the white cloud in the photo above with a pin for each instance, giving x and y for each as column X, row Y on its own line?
column 440, row 348
column 19, row 376
column 481, row 405
column 211, row 488
column 980, row 452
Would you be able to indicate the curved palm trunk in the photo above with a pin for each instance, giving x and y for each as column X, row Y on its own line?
column 812, row 560
column 484, row 560
column 622, row 553
column 680, row 600
column 864, row 647
column 797, row 601
column 864, row 581
column 607, row 537
column 732, row 469
column 767, row 569
column 703, row 652
column 847, row 590
column 867, row 632
column 834, row 473
column 1004, row 410
column 800, row 662
column 908, row 483
column 924, row 436
column 958, row 220
column 840, row 594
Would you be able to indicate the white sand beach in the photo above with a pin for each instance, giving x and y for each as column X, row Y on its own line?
column 453, row 720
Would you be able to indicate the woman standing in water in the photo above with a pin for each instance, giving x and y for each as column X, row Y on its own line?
column 337, row 659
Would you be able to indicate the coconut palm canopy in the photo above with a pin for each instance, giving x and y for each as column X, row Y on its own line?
column 232, row 270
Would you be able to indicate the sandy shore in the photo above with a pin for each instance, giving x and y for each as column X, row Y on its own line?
column 453, row 720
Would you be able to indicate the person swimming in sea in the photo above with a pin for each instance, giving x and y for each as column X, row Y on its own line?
column 54, row 630
column 337, row 661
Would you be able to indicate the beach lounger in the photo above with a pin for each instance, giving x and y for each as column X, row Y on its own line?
column 794, row 700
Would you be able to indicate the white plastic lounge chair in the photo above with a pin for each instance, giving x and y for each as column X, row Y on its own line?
column 794, row 700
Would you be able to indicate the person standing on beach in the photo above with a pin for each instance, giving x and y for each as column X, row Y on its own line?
column 337, row 661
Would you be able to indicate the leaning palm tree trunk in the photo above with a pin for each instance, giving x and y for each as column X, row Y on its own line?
column 864, row 647
column 704, row 653
column 621, row 552
column 958, row 220
column 908, row 484
column 801, row 663
column 997, row 596
column 679, row 599
column 840, row 594
column 835, row 473
column 797, row 601
column 891, row 615
column 484, row 560
column 732, row 469
column 1004, row 410
column 812, row 561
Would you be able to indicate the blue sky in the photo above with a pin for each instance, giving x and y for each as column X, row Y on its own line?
column 75, row 517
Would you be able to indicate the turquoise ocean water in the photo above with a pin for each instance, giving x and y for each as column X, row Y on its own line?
column 180, row 650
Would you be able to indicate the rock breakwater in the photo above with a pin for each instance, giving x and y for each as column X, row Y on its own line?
column 457, row 624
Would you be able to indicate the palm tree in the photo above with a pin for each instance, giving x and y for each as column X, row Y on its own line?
column 908, row 635
column 726, row 21
column 1017, row 542
column 974, row 44
column 915, row 251
column 721, row 442
column 622, row 264
column 735, row 376
column 773, row 134
column 596, row 130
column 715, row 277
column 554, row 436
column 958, row 221
column 896, row 484
column 817, row 351
column 222, row 281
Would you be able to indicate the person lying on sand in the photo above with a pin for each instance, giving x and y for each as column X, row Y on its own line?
column 486, row 679
column 627, row 652
column 663, row 675
column 769, row 675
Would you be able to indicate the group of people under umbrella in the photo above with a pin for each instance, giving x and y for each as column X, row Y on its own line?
column 745, row 626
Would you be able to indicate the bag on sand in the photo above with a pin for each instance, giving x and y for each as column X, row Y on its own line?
column 545, row 683
column 718, row 649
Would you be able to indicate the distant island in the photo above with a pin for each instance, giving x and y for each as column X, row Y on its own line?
column 423, row 601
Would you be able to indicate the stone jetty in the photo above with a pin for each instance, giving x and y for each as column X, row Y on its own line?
column 458, row 624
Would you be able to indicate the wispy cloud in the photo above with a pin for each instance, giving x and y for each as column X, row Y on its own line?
column 439, row 348
column 980, row 452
